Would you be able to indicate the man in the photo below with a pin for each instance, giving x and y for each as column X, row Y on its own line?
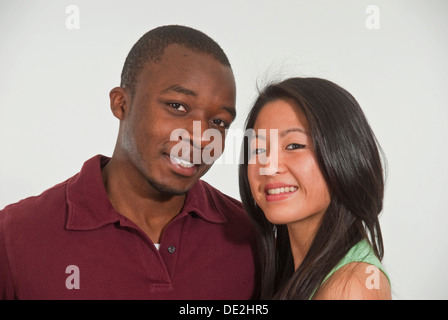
column 141, row 225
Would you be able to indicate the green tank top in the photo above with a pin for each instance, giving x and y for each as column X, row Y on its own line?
column 360, row 252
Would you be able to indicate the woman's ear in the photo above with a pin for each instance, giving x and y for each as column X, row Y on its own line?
column 120, row 102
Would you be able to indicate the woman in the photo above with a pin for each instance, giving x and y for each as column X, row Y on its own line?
column 312, row 182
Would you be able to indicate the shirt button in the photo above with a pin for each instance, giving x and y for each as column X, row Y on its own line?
column 171, row 249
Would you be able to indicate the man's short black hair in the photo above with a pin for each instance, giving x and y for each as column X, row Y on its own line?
column 150, row 47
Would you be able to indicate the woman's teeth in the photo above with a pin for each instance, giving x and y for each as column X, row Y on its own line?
column 281, row 190
column 181, row 162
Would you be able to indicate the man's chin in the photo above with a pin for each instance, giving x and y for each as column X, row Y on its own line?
column 166, row 189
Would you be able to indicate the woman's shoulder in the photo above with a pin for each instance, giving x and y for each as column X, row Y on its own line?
column 356, row 281
column 359, row 275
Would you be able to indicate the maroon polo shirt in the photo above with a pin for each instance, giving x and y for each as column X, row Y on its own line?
column 70, row 243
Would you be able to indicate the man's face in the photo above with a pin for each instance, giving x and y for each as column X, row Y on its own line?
column 183, row 87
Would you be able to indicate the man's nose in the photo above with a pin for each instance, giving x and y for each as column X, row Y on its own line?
column 197, row 138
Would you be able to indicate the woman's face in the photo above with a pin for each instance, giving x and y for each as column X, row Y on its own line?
column 289, row 187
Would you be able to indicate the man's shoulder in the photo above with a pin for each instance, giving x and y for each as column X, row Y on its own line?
column 33, row 206
column 221, row 198
column 238, row 223
column 231, row 208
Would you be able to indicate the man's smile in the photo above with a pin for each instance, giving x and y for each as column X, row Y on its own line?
column 181, row 166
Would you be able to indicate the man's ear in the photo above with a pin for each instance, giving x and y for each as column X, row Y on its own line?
column 120, row 101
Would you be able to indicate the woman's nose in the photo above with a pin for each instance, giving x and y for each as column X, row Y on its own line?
column 273, row 163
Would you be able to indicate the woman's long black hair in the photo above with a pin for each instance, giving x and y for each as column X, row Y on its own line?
column 349, row 158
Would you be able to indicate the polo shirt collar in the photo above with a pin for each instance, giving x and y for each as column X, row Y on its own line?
column 89, row 207
column 201, row 200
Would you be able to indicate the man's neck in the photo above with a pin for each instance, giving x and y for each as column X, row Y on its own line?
column 135, row 198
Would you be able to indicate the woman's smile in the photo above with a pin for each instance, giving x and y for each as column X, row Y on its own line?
column 279, row 191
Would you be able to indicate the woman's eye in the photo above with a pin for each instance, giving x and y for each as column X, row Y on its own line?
column 294, row 146
column 177, row 106
column 259, row 151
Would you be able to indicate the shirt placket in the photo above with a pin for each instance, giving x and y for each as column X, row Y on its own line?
column 171, row 243
column 157, row 273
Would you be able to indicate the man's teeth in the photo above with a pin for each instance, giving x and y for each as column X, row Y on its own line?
column 282, row 190
column 181, row 162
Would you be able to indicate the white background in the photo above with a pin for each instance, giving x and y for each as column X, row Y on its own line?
column 54, row 105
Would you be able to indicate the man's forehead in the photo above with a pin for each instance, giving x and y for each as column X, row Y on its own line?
column 186, row 71
column 175, row 53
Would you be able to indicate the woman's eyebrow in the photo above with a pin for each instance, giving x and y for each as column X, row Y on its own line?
column 296, row 129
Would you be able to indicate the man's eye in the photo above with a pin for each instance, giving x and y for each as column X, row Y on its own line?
column 219, row 122
column 294, row 146
column 177, row 106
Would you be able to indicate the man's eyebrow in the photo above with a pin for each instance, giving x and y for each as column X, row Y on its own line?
column 179, row 89
column 232, row 111
column 296, row 129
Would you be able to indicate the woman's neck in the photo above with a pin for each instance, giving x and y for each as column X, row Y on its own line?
column 301, row 235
